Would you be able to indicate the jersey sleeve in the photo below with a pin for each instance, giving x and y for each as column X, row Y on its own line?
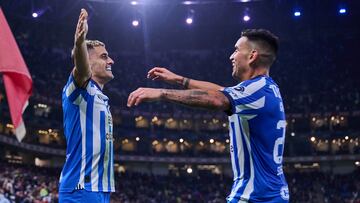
column 246, row 98
column 72, row 92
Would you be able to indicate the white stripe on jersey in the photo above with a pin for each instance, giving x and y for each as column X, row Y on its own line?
column 61, row 176
column 96, row 149
column 254, row 105
column 245, row 129
column 253, row 87
column 240, row 149
column 105, row 184
column 82, row 109
column 70, row 89
column 250, row 185
column 231, row 133
column 78, row 100
column 248, row 117
column 240, row 155
column 112, row 182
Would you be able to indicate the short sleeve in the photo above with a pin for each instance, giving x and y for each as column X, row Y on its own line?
column 73, row 93
column 247, row 97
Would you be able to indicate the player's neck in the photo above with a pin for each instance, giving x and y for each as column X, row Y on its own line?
column 99, row 83
column 252, row 73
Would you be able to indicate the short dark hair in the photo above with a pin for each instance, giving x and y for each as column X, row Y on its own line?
column 90, row 44
column 266, row 41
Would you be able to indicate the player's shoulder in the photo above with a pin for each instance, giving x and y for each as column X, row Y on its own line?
column 270, row 81
column 253, row 84
column 249, row 81
column 91, row 88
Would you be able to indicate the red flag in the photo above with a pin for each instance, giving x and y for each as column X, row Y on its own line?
column 16, row 77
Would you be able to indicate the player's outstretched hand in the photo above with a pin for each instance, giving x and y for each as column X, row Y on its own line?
column 81, row 28
column 164, row 74
column 143, row 95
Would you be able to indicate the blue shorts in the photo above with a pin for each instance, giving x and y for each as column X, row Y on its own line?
column 84, row 196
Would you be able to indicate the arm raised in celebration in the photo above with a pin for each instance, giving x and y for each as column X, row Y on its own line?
column 82, row 71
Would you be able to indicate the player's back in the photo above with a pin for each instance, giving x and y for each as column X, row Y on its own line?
column 257, row 133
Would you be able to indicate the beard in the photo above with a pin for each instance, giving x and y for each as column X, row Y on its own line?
column 238, row 72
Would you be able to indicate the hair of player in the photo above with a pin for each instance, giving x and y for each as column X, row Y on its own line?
column 266, row 42
column 90, row 44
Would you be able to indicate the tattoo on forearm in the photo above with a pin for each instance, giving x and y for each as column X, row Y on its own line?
column 198, row 92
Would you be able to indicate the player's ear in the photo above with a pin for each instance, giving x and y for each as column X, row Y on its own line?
column 254, row 54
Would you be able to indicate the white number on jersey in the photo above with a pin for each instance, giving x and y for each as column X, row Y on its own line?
column 279, row 143
column 276, row 91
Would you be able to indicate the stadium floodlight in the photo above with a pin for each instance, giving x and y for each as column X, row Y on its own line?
column 35, row 15
column 135, row 23
column 189, row 170
column 342, row 11
column 189, row 20
column 297, row 13
column 137, row 139
column 188, row 2
column 246, row 18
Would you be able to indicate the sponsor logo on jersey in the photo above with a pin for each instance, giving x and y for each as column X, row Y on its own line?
column 284, row 192
column 240, row 88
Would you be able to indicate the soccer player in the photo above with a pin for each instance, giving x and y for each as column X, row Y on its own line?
column 88, row 174
column 256, row 115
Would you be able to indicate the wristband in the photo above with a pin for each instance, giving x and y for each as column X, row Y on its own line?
column 185, row 82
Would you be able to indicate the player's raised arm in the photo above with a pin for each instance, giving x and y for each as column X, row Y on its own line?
column 82, row 71
column 164, row 74
column 209, row 99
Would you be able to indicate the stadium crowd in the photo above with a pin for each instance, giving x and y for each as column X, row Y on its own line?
column 297, row 71
column 30, row 184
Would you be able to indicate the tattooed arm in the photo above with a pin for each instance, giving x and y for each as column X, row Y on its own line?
column 208, row 99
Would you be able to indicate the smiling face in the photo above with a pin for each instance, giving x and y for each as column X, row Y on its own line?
column 241, row 58
column 100, row 64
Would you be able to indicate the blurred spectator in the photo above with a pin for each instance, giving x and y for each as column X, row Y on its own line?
column 20, row 183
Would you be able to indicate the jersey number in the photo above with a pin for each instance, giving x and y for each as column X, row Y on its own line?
column 279, row 143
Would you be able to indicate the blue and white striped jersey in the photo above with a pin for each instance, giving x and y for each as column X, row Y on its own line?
column 88, row 129
column 257, row 135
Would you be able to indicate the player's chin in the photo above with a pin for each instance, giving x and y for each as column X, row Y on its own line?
column 233, row 74
column 109, row 76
